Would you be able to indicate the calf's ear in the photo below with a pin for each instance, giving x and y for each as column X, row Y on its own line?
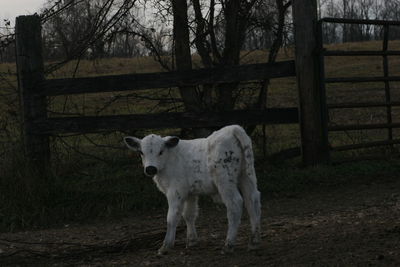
column 132, row 143
column 171, row 141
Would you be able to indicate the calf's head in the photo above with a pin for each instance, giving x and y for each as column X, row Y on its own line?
column 154, row 151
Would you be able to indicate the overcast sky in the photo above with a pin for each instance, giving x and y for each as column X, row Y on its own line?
column 9, row 9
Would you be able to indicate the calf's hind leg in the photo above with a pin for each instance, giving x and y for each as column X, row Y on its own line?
column 233, row 201
column 252, row 203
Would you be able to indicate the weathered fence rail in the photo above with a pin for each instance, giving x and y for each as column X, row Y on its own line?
column 142, row 81
column 91, row 124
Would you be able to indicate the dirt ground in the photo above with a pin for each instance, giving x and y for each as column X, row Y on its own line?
column 348, row 225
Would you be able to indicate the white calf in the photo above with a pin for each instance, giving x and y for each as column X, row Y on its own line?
column 221, row 165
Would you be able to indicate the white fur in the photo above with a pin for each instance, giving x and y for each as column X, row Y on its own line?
column 221, row 165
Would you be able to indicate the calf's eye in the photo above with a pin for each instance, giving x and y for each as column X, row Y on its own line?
column 161, row 152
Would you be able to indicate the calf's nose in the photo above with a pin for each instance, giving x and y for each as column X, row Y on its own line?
column 150, row 170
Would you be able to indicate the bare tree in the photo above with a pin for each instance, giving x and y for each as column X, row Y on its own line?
column 83, row 25
column 183, row 55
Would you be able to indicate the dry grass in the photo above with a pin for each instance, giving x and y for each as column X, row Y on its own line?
column 282, row 92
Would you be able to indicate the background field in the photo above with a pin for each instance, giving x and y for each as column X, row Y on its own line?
column 95, row 177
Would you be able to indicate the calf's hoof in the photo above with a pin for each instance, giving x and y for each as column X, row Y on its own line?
column 227, row 249
column 191, row 243
column 254, row 242
column 163, row 250
column 253, row 246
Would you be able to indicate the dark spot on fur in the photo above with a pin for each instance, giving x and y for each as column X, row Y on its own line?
column 229, row 157
column 196, row 166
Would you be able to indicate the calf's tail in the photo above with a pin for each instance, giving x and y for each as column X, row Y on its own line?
column 248, row 186
column 248, row 155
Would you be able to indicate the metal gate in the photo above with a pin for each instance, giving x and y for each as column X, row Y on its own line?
column 387, row 104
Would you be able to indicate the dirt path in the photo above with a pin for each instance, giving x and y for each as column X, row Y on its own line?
column 352, row 225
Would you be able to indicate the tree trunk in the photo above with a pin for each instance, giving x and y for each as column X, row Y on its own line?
column 182, row 52
column 234, row 35
column 183, row 59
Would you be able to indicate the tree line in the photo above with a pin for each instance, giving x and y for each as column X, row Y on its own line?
column 358, row 9
column 127, row 28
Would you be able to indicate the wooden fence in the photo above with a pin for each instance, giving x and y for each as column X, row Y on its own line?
column 35, row 89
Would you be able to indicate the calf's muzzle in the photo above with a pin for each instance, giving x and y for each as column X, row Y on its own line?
column 150, row 170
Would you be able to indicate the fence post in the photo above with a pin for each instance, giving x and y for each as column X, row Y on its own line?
column 313, row 135
column 33, row 107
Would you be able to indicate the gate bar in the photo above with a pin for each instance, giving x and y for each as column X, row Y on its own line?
column 366, row 145
column 386, row 75
column 361, row 21
column 362, row 79
column 363, row 105
column 360, row 53
column 354, row 127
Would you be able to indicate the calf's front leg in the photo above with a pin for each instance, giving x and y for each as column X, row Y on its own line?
column 190, row 215
column 175, row 205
